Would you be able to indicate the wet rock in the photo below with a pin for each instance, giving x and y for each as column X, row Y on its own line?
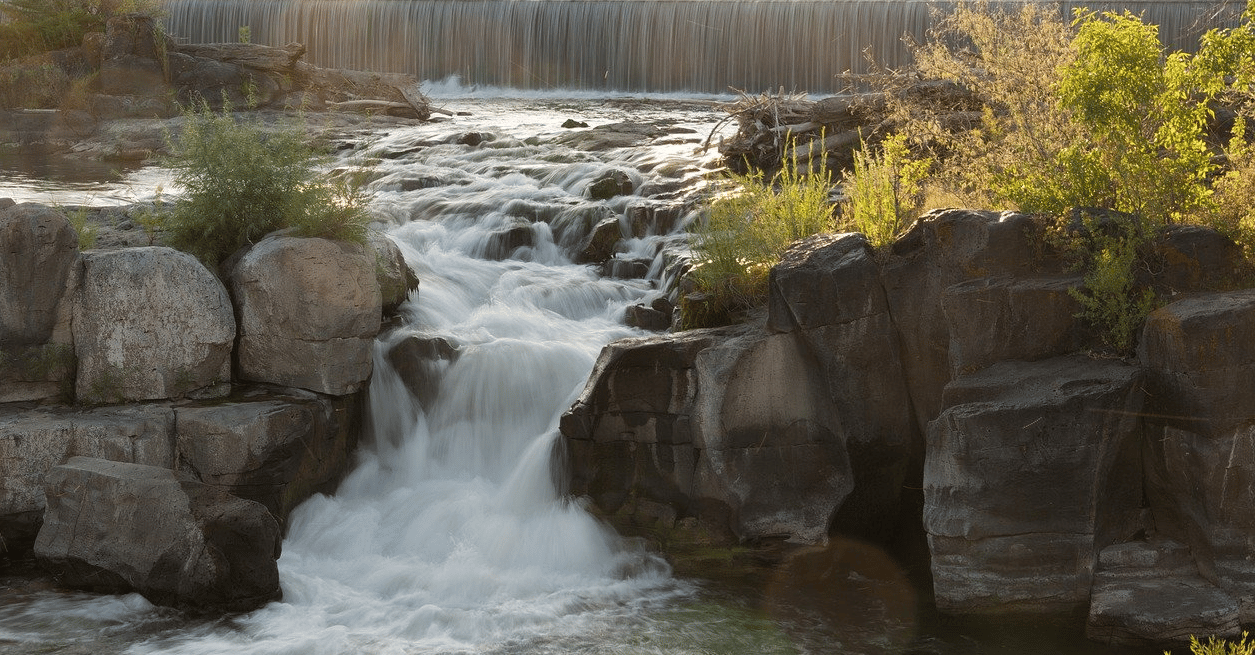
column 396, row 279
column 276, row 450
column 571, row 124
column 149, row 323
column 610, row 184
column 600, row 245
column 119, row 527
column 472, row 138
column 613, row 135
column 308, row 313
column 502, row 243
column 946, row 247
column 626, row 269
column 421, row 362
column 999, row 319
column 647, row 318
column 645, row 218
column 1032, row 468
column 32, row 441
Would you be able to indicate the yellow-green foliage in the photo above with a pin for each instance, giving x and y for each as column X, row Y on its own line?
column 1215, row 646
column 243, row 179
column 884, row 192
column 745, row 233
column 1091, row 114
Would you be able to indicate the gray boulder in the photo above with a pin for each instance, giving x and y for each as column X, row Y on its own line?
column 276, row 449
column 32, row 441
column 1032, row 469
column 309, row 310
column 149, row 323
column 119, row 527
column 396, row 279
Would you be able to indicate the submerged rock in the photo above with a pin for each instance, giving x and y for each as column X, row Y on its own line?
column 119, row 527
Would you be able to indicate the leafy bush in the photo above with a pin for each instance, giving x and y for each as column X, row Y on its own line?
column 883, row 192
column 243, row 179
column 1091, row 115
column 744, row 235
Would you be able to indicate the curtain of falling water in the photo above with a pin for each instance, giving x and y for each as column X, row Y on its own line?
column 622, row 45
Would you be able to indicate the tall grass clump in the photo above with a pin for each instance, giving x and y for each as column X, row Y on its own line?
column 243, row 179
column 744, row 234
column 884, row 192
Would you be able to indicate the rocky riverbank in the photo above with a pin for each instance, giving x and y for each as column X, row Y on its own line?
column 159, row 422
column 1053, row 479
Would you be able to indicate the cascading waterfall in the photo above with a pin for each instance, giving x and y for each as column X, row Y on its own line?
column 620, row 45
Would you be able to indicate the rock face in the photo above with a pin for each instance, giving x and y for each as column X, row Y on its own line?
column 1150, row 593
column 946, row 247
column 119, row 527
column 827, row 291
column 308, row 311
column 38, row 251
column 33, row 441
column 277, row 450
column 149, row 323
column 1200, row 356
column 1032, row 468
column 396, row 279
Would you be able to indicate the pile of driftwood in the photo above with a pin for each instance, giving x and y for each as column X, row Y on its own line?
column 778, row 128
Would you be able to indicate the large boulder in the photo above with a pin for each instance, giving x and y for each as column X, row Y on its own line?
column 32, row 441
column 309, row 310
column 133, row 56
column 119, row 527
column 276, row 449
column 1032, row 469
column 827, row 290
column 944, row 248
column 1200, row 357
column 149, row 323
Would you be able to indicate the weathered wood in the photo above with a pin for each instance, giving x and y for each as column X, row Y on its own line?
column 252, row 55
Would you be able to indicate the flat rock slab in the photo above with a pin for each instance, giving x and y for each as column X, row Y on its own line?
column 1141, row 611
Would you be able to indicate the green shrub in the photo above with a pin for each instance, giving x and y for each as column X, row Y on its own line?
column 883, row 192
column 744, row 235
column 243, row 179
column 1111, row 299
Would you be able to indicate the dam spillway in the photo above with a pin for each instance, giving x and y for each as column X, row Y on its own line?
column 620, row 45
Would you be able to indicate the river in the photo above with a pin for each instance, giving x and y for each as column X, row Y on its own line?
column 450, row 536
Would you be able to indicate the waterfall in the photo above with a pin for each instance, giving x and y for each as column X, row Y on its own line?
column 620, row 45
